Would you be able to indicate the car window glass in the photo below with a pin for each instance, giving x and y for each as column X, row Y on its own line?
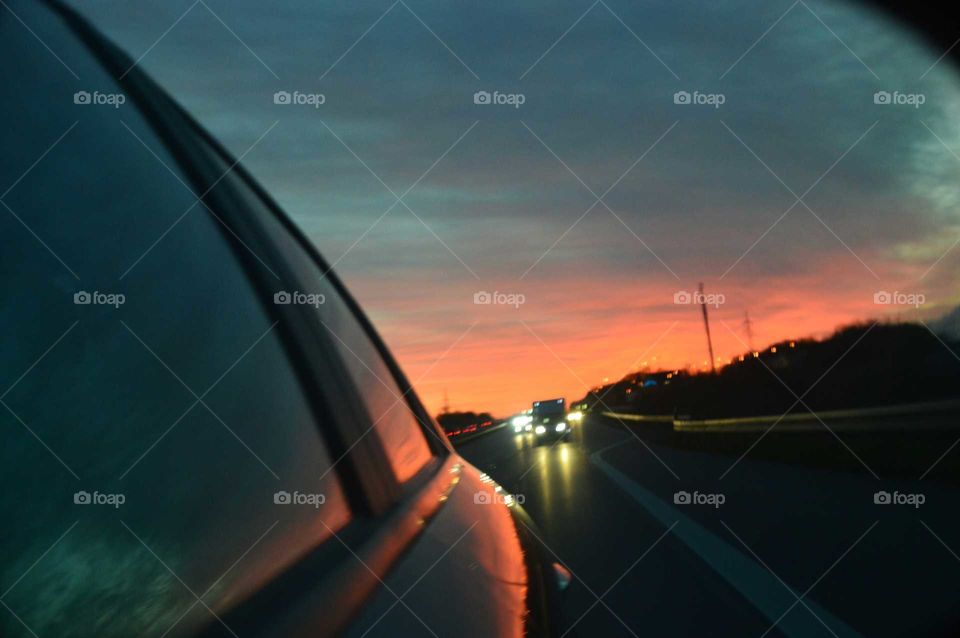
column 157, row 442
column 390, row 416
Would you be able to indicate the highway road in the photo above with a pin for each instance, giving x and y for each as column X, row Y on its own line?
column 762, row 549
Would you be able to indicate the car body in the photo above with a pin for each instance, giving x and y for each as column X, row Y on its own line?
column 549, row 420
column 193, row 405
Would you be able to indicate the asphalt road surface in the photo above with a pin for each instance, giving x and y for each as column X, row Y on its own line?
column 761, row 549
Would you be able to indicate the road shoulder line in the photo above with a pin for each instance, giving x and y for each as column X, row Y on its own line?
column 755, row 583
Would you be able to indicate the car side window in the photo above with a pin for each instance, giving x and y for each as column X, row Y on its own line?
column 404, row 440
column 388, row 409
column 158, row 447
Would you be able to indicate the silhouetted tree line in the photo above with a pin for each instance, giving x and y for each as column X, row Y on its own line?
column 858, row 366
column 458, row 420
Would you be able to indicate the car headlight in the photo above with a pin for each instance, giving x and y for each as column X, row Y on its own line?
column 561, row 426
column 576, row 415
column 540, row 429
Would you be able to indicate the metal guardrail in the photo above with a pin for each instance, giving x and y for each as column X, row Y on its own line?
column 645, row 418
column 912, row 416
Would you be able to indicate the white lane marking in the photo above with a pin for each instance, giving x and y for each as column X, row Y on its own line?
column 753, row 582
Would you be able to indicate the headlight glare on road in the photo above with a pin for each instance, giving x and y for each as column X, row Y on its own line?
column 561, row 426
column 540, row 429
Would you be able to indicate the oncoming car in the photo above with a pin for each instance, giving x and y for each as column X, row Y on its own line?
column 522, row 423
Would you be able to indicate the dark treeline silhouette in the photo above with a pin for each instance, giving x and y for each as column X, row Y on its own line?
column 858, row 366
column 455, row 423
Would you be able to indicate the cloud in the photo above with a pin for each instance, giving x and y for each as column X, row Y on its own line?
column 501, row 200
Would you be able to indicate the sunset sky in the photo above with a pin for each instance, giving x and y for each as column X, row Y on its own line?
column 506, row 199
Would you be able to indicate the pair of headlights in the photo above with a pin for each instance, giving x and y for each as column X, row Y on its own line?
column 559, row 427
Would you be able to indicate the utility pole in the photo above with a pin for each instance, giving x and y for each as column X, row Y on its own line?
column 446, row 402
column 706, row 325
column 748, row 328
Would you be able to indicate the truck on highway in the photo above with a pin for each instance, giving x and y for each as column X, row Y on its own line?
column 549, row 419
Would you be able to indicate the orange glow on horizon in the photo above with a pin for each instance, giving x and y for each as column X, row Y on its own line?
column 571, row 335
